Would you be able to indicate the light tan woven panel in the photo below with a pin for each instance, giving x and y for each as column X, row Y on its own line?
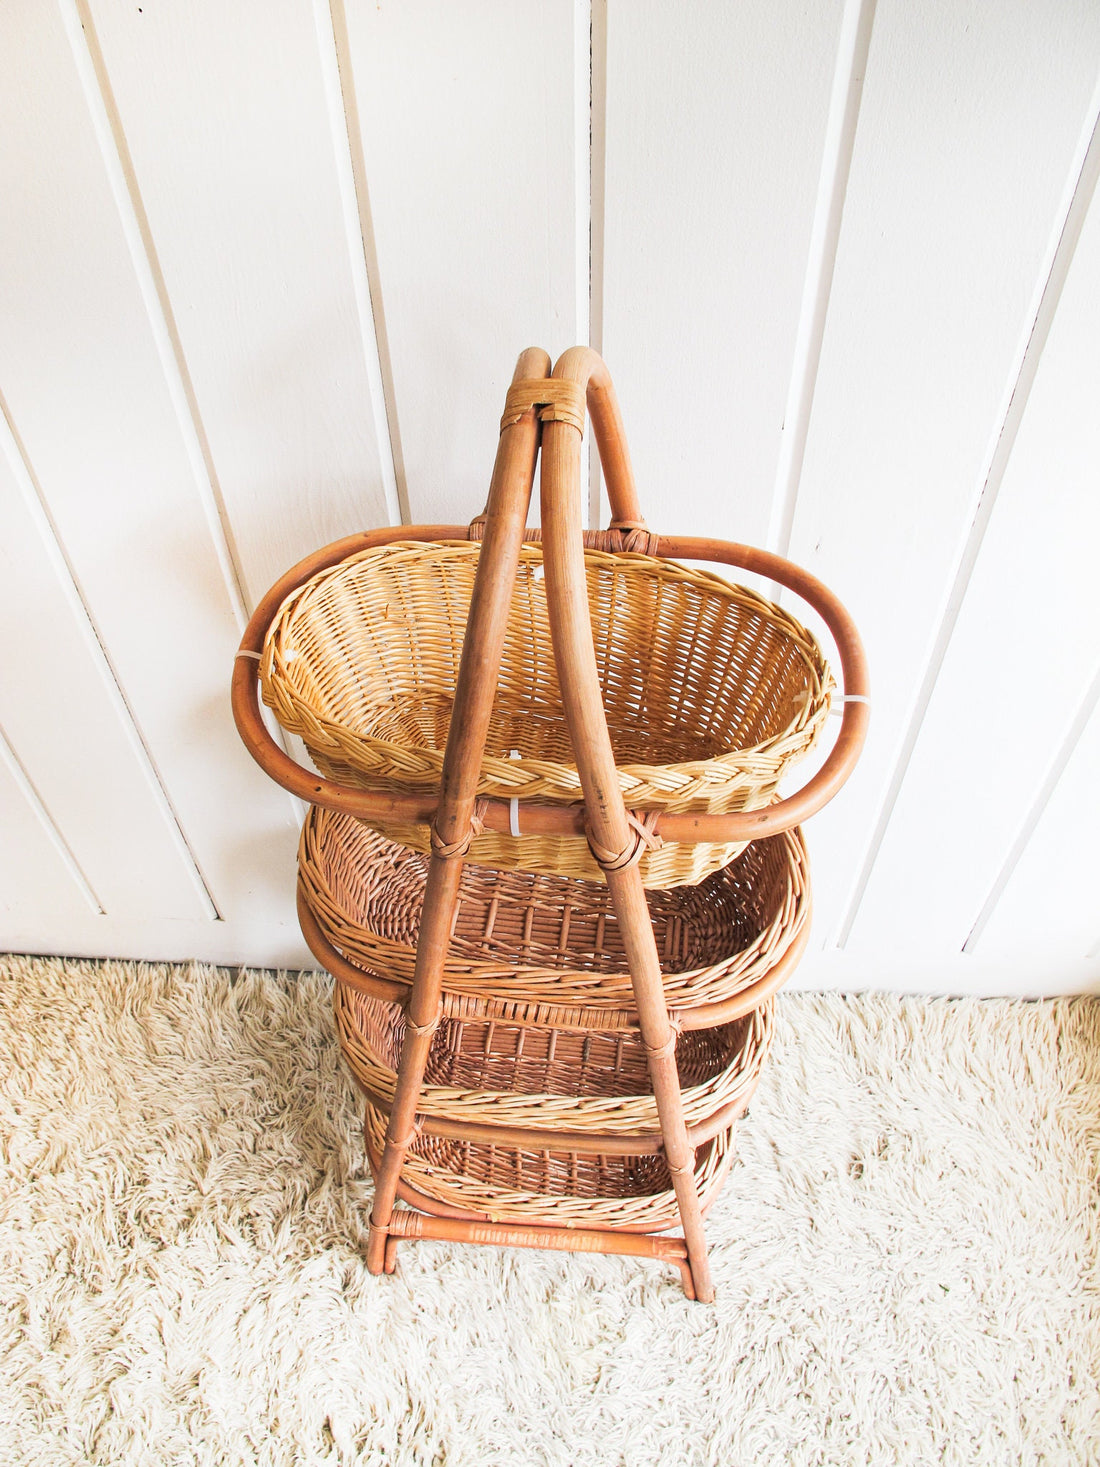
column 507, row 1075
column 710, row 690
column 667, row 866
column 555, row 1188
column 546, row 942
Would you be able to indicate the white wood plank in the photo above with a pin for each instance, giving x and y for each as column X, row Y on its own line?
column 36, row 865
column 234, row 152
column 63, row 717
column 716, row 121
column 79, row 348
column 466, row 116
column 999, row 974
column 970, row 118
column 247, row 942
column 1025, row 643
column 1048, row 907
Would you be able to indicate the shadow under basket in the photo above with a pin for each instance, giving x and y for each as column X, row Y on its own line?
column 711, row 692
column 547, row 949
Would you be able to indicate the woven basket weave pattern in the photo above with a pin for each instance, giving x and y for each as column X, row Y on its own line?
column 503, row 1074
column 547, row 942
column 561, row 1188
column 667, row 866
column 710, row 690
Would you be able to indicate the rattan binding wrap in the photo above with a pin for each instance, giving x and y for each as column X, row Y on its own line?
column 545, row 949
column 489, row 1073
column 551, row 1188
column 711, row 691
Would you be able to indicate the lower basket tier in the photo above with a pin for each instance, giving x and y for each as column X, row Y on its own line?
column 549, row 1188
column 489, row 1073
column 548, row 943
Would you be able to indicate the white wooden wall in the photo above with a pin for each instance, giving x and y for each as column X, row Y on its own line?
column 265, row 267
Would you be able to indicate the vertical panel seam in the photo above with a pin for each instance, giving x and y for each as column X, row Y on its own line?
column 853, row 46
column 1070, row 218
column 582, row 168
column 31, row 795
column 1035, row 813
column 338, row 79
column 30, row 493
column 582, row 202
column 597, row 213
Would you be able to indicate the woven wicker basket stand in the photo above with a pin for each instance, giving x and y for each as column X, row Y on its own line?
column 547, row 861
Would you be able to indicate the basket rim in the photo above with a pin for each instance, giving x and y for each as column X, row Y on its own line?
column 528, row 778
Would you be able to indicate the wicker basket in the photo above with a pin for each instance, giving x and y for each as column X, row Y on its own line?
column 711, row 692
column 547, row 948
column 550, row 1188
column 490, row 1073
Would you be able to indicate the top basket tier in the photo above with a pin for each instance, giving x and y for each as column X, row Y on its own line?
column 710, row 690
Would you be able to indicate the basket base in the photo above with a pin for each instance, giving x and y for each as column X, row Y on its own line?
column 413, row 1225
column 429, row 1218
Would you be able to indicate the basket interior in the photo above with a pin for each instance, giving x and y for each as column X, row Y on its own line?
column 690, row 666
column 487, row 1055
column 560, row 1173
column 455, row 1171
column 534, row 920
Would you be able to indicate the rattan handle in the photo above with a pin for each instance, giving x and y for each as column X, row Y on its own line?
column 607, row 424
column 565, row 399
column 739, row 826
column 455, row 819
column 613, row 837
column 585, row 368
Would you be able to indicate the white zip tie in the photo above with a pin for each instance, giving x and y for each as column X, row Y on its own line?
column 837, row 712
column 513, row 805
column 259, row 656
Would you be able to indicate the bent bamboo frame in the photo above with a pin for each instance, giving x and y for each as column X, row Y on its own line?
column 452, row 827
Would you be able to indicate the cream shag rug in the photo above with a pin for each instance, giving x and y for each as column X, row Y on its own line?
column 905, row 1254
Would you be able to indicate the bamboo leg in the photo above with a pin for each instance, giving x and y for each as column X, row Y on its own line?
column 509, row 500
column 659, row 1038
column 614, row 843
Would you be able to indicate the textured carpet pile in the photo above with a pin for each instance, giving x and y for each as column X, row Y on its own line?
column 905, row 1252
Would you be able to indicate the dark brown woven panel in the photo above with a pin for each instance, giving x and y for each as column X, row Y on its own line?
column 568, row 1173
column 551, row 939
column 491, row 1055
